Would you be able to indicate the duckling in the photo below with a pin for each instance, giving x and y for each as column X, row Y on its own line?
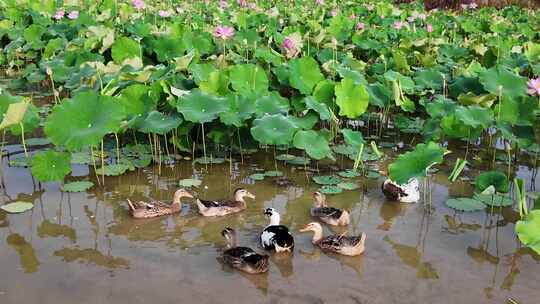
column 243, row 258
column 406, row 193
column 275, row 236
column 345, row 245
column 224, row 207
column 329, row 215
column 154, row 209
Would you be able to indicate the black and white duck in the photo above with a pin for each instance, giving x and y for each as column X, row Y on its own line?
column 275, row 236
column 224, row 207
column 242, row 258
column 405, row 193
column 345, row 245
column 329, row 215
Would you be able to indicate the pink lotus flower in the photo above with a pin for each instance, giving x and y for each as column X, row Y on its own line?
column 429, row 28
column 464, row 6
column 398, row 25
column 138, row 4
column 534, row 86
column 352, row 16
column 360, row 26
column 164, row 14
column 223, row 32
column 253, row 6
column 223, row 4
column 73, row 15
column 242, row 3
column 319, row 2
column 288, row 44
column 473, row 5
column 333, row 12
column 59, row 14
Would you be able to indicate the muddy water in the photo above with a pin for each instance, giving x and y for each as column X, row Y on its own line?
column 84, row 248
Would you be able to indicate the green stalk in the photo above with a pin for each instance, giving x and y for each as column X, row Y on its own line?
column 358, row 159
column 521, row 196
column 117, row 148
column 204, row 145
column 23, row 141
column 458, row 168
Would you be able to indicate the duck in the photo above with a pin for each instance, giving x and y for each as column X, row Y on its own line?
column 156, row 208
column 329, row 215
column 275, row 236
column 225, row 207
column 405, row 193
column 242, row 258
column 336, row 243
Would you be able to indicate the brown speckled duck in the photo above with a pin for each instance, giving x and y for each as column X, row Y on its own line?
column 329, row 215
column 345, row 245
column 243, row 258
column 224, row 207
column 156, row 208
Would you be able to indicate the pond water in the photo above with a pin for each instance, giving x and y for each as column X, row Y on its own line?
column 85, row 246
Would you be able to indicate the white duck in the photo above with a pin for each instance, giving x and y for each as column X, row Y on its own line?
column 275, row 236
column 405, row 193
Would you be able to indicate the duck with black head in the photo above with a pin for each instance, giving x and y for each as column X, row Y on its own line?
column 275, row 236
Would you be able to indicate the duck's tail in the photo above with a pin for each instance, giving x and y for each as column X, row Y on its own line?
column 362, row 242
column 262, row 264
column 131, row 205
column 346, row 217
column 202, row 208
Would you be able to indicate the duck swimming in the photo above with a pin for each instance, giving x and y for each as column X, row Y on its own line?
column 224, row 207
column 275, row 236
column 154, row 209
column 329, row 215
column 345, row 245
column 243, row 258
column 405, row 193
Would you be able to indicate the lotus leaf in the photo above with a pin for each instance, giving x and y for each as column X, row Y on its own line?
column 353, row 138
column 77, row 186
column 14, row 115
column 465, row 204
column 494, row 200
column 17, row 207
column 83, row 120
column 304, row 74
column 272, row 103
column 298, row 160
column 273, row 130
column 328, row 189
column 209, row 160
column 327, row 180
column 352, row 99
column 274, row 173
column 306, row 122
column 319, row 107
column 48, row 166
column 200, row 107
column 257, row 176
column 416, row 163
column 241, row 108
column 248, row 78
column 348, row 185
column 190, row 182
column 349, row 173
column 315, row 145
column 125, row 48
column 501, row 81
column 159, row 123
column 496, row 179
column 528, row 230
column 475, row 116
column 285, row 157
column 136, row 100
column 429, row 79
column 112, row 170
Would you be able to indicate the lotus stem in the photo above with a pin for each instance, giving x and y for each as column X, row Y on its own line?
column 23, row 141
column 2, row 153
column 521, row 196
column 275, row 161
column 102, row 155
column 240, row 144
column 117, row 147
column 358, row 159
column 204, row 145
column 94, row 164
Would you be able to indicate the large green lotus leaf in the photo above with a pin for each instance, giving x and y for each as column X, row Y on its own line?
column 306, row 122
column 273, row 130
column 528, row 230
column 200, row 107
column 429, row 79
column 496, row 179
column 83, row 120
column 124, row 48
column 416, row 163
column 501, row 81
column 475, row 116
column 201, row 71
column 159, row 123
column 17, row 207
column 248, row 78
column 440, row 108
column 405, row 82
column 217, row 83
column 14, row 114
column 517, row 111
column 136, row 100
column 304, row 74
column 465, row 204
column 324, row 91
column 315, row 144
column 319, row 107
column 352, row 99
column 79, row 186
column 356, row 76
column 113, row 170
column 327, row 180
column 455, row 128
column 348, row 185
column 349, row 173
column 533, row 51
column 168, row 48
column 272, row 103
column 330, row 189
column 484, row 100
column 241, row 108
column 379, row 95
column 51, row 166
column 353, row 138
column 494, row 200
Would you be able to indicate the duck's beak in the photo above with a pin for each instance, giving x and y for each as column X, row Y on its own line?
column 305, row 229
column 187, row 194
column 250, row 195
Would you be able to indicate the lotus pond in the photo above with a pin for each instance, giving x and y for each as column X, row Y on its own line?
column 104, row 101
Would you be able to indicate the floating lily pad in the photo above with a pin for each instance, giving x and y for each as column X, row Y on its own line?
column 494, row 200
column 349, row 173
column 373, row 174
column 209, row 160
column 298, row 160
column 17, row 207
column 327, row 180
column 285, row 157
column 48, row 166
column 79, row 186
column 328, row 189
column 465, row 204
column 348, row 185
column 528, row 230
column 257, row 176
column 113, row 170
column 20, row 162
column 81, row 158
column 190, row 182
column 273, row 173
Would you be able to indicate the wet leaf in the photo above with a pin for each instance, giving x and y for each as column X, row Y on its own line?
column 200, row 107
column 352, row 99
column 528, row 230
column 112, row 170
column 348, row 185
column 273, row 173
column 273, row 130
column 496, row 179
column 315, row 144
column 465, row 204
column 257, row 176
column 327, row 180
column 494, row 200
column 190, row 182
column 159, row 123
column 330, row 189
column 500, row 81
column 17, row 207
column 349, row 173
column 48, row 166
column 248, row 78
column 304, row 74
column 79, row 186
